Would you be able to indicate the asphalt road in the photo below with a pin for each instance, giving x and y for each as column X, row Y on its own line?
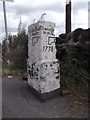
column 0, row 98
column 18, row 102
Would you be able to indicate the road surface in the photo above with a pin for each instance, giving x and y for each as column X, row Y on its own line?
column 18, row 102
column 0, row 98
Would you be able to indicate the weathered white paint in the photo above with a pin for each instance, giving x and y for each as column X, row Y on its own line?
column 43, row 67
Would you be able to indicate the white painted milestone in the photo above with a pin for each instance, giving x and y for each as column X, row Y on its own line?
column 43, row 67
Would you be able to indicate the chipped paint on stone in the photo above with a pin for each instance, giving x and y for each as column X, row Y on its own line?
column 43, row 67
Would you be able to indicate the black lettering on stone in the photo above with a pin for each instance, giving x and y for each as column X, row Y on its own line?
column 44, row 32
column 35, row 40
column 37, row 28
column 52, row 32
column 48, row 33
column 57, row 77
column 50, row 48
column 34, row 33
column 51, row 40
column 45, row 48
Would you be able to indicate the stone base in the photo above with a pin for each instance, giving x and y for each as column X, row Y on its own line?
column 45, row 96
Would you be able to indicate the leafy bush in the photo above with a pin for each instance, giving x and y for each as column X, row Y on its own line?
column 71, row 78
column 11, row 70
column 18, row 50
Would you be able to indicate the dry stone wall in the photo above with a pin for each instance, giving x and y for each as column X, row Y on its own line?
column 75, row 47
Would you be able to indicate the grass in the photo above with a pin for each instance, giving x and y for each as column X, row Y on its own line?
column 74, row 81
column 10, row 70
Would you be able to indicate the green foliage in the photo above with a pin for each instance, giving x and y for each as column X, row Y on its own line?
column 18, row 49
column 11, row 70
column 71, row 78
column 65, row 82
